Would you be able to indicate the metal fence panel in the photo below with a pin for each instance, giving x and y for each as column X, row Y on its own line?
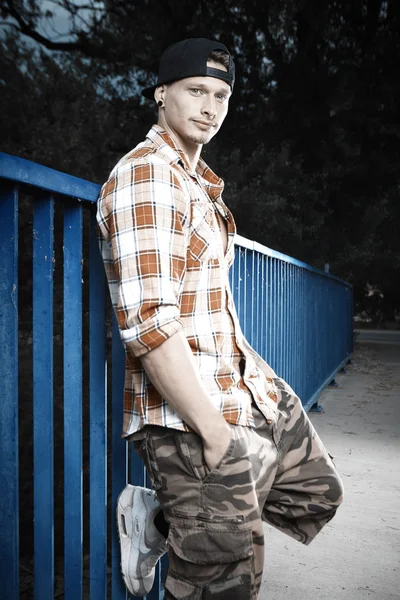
column 302, row 348
column 297, row 317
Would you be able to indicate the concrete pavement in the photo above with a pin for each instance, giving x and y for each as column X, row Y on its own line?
column 357, row 555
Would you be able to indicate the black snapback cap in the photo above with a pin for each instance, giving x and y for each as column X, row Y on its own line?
column 189, row 59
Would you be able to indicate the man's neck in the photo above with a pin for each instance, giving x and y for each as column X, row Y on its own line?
column 191, row 150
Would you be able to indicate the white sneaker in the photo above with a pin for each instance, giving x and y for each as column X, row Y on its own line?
column 141, row 543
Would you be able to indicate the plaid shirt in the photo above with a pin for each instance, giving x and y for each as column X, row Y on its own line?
column 167, row 271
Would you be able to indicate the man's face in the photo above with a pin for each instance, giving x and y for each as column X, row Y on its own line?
column 195, row 108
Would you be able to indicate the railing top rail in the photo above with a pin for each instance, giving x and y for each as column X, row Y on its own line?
column 28, row 172
column 31, row 173
column 251, row 245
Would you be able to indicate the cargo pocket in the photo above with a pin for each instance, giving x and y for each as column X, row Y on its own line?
column 203, row 541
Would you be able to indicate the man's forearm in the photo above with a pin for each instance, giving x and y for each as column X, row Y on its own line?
column 173, row 371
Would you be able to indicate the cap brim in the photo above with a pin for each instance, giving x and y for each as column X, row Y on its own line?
column 149, row 92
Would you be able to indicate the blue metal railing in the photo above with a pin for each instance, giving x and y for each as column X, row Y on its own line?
column 297, row 317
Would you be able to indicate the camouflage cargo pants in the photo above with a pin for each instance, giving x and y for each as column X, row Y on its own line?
column 278, row 472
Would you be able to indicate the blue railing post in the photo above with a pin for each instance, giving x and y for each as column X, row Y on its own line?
column 43, row 443
column 73, row 471
column 119, row 462
column 98, row 421
column 9, row 497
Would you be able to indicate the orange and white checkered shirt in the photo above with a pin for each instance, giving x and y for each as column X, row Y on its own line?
column 167, row 271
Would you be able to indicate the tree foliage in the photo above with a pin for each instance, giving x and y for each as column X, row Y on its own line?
column 309, row 151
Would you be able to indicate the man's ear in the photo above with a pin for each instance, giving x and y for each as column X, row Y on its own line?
column 159, row 95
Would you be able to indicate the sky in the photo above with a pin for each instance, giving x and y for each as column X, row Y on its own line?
column 57, row 27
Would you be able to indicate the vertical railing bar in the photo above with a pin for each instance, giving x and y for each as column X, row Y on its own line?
column 73, row 479
column 307, row 300
column 323, row 309
column 305, row 326
column 250, row 295
column 263, row 321
column 9, row 497
column 254, row 311
column 236, row 287
column 294, row 336
column 137, row 472
column 284, row 330
column 291, row 304
column 280, row 319
column 244, row 312
column 258, row 307
column 298, row 325
column 270, row 320
column 241, row 287
column 98, row 421
column 289, row 318
column 154, row 593
column 317, row 331
column 271, row 311
column 286, row 320
column 293, row 318
column 301, row 335
column 308, row 344
column 320, row 332
column 232, row 272
column 245, row 308
column 274, row 327
column 43, row 434
column 242, row 300
column 283, row 317
column 268, row 309
column 236, row 291
column 266, row 305
column 119, row 456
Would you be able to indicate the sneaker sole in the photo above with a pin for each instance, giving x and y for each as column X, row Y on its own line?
column 142, row 586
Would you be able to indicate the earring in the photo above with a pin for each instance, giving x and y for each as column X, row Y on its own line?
column 160, row 103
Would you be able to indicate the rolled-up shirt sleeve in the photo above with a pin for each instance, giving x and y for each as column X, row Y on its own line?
column 143, row 217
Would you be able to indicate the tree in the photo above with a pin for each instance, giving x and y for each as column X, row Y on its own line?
column 310, row 149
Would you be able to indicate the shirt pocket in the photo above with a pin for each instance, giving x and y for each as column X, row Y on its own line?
column 203, row 242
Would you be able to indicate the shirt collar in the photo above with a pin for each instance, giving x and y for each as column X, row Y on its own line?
column 166, row 146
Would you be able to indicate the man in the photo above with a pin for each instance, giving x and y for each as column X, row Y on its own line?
column 225, row 441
